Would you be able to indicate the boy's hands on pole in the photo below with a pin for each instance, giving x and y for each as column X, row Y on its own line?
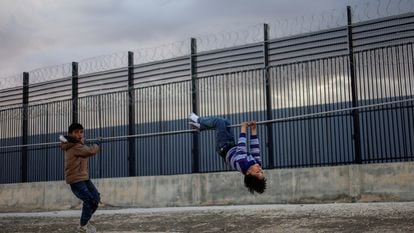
column 253, row 127
column 244, row 126
column 98, row 141
column 249, row 124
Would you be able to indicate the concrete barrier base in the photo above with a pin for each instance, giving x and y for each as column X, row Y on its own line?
column 351, row 183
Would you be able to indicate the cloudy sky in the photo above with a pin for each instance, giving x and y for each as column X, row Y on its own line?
column 41, row 33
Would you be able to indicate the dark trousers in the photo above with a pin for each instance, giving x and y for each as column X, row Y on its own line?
column 224, row 134
column 86, row 191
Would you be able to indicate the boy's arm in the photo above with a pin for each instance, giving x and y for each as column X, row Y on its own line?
column 254, row 143
column 65, row 145
column 86, row 151
column 241, row 144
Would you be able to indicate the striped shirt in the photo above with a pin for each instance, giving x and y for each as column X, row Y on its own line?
column 238, row 157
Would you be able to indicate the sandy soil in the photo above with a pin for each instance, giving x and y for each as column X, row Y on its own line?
column 355, row 217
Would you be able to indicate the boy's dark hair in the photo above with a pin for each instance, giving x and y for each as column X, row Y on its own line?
column 252, row 183
column 74, row 126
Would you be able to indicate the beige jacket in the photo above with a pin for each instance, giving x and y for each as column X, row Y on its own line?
column 76, row 161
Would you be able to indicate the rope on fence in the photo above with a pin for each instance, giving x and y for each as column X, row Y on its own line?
column 283, row 119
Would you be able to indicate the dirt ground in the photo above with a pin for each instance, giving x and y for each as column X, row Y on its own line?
column 355, row 217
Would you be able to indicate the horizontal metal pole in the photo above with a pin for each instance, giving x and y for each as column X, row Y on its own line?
column 329, row 112
column 30, row 145
column 150, row 134
column 234, row 125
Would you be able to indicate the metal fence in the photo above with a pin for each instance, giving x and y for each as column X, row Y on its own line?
column 359, row 64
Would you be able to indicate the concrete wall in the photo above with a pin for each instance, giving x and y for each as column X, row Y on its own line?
column 374, row 182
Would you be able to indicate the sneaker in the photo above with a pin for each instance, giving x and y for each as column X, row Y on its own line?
column 194, row 125
column 91, row 228
column 83, row 229
column 88, row 228
column 193, row 117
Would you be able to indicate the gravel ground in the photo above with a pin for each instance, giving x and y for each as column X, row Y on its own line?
column 355, row 217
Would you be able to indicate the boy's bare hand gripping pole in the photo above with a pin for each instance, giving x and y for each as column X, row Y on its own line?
column 243, row 127
column 253, row 127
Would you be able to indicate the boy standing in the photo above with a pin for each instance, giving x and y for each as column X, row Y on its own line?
column 237, row 156
column 76, row 173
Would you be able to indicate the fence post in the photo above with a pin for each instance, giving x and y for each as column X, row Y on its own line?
column 269, row 115
column 131, row 114
column 75, row 91
column 25, row 126
column 354, row 93
column 193, row 69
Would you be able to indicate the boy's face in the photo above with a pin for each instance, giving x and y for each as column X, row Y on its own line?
column 257, row 171
column 77, row 134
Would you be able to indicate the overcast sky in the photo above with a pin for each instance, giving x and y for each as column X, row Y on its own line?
column 41, row 33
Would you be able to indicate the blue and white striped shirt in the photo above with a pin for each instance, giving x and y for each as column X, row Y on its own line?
column 238, row 157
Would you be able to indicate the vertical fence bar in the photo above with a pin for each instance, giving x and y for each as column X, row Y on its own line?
column 98, row 123
column 75, row 91
column 268, row 97
column 25, row 125
column 355, row 113
column 131, row 115
column 193, row 71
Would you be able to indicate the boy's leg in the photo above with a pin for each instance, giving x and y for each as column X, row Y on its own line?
column 96, row 195
column 82, row 192
column 224, row 134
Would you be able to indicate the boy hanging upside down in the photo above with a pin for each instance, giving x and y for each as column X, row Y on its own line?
column 249, row 164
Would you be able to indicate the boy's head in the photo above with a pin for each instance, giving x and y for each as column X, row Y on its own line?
column 76, row 131
column 254, row 179
column 253, row 183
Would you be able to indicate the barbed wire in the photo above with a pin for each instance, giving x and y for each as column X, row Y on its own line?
column 232, row 38
column 388, row 57
column 334, row 18
column 306, row 24
column 11, row 81
column 50, row 73
column 162, row 52
column 103, row 63
column 279, row 28
column 380, row 8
